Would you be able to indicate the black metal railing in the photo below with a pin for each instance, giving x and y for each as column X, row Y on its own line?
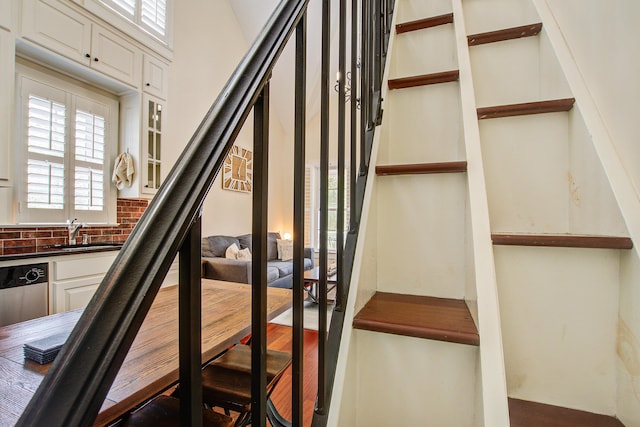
column 77, row 383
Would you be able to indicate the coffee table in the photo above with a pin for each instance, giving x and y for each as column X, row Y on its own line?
column 311, row 279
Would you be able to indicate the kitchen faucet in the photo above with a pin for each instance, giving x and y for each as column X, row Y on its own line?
column 73, row 228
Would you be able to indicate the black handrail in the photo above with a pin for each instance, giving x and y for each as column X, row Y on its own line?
column 77, row 383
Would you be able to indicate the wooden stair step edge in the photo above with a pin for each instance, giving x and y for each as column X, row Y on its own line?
column 526, row 108
column 440, row 319
column 562, row 241
column 505, row 34
column 422, row 168
column 421, row 24
column 523, row 413
column 424, row 79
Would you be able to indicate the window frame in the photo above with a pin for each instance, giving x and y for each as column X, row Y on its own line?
column 43, row 82
column 314, row 210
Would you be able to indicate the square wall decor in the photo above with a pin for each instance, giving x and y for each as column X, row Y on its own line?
column 237, row 173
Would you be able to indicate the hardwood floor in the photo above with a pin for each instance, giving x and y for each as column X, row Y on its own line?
column 279, row 338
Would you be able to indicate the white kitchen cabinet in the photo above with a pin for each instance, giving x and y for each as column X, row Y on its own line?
column 7, row 84
column 74, row 279
column 6, row 15
column 155, row 76
column 142, row 118
column 67, row 32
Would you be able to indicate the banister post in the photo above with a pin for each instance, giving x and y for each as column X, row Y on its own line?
column 259, row 259
column 189, row 326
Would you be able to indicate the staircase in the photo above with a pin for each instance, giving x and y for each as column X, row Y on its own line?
column 415, row 354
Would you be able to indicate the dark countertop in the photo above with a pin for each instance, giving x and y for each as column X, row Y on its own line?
column 57, row 250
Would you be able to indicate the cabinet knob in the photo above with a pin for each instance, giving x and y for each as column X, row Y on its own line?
column 147, row 84
column 96, row 59
column 86, row 55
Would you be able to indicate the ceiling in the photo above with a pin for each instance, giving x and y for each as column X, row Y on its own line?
column 252, row 16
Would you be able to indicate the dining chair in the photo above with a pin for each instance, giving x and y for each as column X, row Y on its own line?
column 226, row 381
column 164, row 411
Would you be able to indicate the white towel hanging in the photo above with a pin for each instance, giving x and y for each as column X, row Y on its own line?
column 123, row 171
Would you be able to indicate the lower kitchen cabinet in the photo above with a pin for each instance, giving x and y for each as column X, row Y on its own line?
column 75, row 280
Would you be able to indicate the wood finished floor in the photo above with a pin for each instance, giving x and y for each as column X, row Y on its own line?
column 279, row 338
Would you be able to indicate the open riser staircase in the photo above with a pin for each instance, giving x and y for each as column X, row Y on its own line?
column 558, row 236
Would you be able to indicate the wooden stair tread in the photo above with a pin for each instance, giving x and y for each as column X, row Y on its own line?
column 538, row 107
column 562, row 241
column 505, row 34
column 523, row 413
column 423, row 80
column 433, row 318
column 421, row 24
column 421, row 168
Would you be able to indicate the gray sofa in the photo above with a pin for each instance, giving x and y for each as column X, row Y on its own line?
column 216, row 266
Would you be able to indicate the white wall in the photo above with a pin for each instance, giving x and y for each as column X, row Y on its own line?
column 208, row 45
column 601, row 37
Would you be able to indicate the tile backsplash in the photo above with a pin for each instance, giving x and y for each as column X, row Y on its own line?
column 33, row 239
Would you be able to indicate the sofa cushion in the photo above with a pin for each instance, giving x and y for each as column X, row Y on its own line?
column 308, row 263
column 285, row 249
column 272, row 245
column 284, row 267
column 206, row 250
column 218, row 245
column 232, row 251
column 272, row 274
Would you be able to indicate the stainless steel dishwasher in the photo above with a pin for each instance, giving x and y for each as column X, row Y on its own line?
column 23, row 292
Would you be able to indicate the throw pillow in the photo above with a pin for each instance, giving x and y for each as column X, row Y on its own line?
column 244, row 254
column 285, row 249
column 232, row 251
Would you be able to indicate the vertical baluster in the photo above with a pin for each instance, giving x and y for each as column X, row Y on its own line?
column 365, row 106
column 354, row 115
column 298, row 219
column 259, row 258
column 342, row 60
column 324, row 175
column 189, row 327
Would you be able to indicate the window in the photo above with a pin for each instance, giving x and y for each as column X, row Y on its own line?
column 151, row 15
column 64, row 146
column 312, row 204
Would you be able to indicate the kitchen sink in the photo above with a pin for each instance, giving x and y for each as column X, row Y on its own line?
column 80, row 247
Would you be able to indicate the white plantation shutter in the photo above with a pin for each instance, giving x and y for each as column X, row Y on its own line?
column 46, row 127
column 89, row 161
column 128, row 7
column 308, row 208
column 89, row 189
column 67, row 132
column 45, row 159
column 148, row 14
column 154, row 15
column 45, row 184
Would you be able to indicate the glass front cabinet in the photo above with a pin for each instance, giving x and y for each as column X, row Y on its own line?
column 153, row 112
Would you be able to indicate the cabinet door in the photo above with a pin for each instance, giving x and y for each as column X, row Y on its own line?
column 72, row 294
column 7, row 82
column 6, row 16
column 114, row 56
column 155, row 77
column 153, row 116
column 57, row 27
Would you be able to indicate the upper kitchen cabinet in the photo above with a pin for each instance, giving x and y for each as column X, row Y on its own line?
column 7, row 66
column 6, row 15
column 155, row 76
column 67, row 32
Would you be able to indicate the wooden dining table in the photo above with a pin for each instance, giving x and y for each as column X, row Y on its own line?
column 151, row 365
